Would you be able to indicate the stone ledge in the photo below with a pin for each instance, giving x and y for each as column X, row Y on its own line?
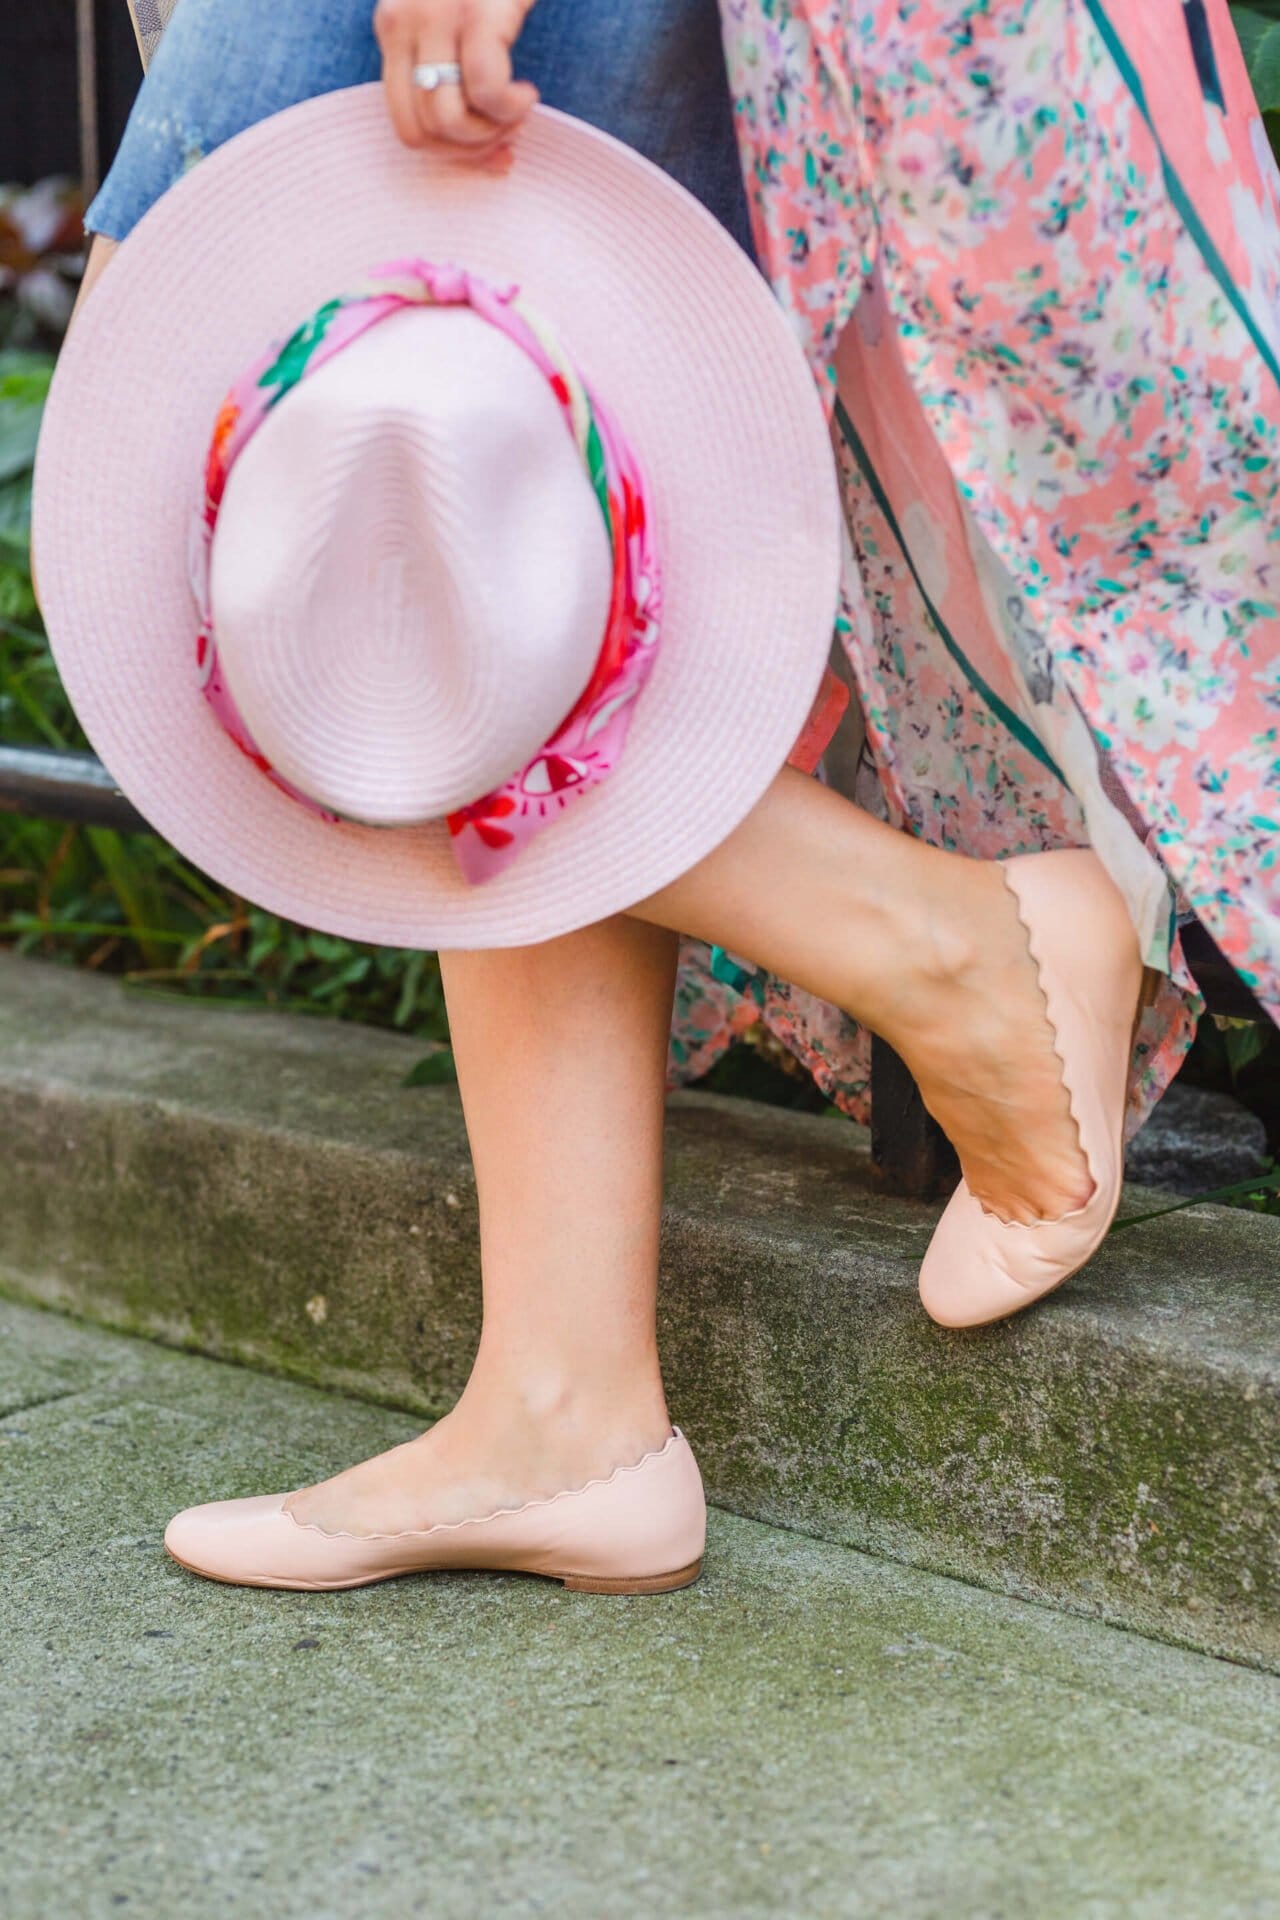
column 261, row 1188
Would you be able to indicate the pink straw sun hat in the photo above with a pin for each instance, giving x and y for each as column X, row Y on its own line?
column 492, row 595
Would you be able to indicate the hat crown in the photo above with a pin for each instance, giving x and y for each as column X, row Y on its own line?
column 410, row 575
column 683, row 344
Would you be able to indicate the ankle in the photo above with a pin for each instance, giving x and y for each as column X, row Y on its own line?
column 933, row 928
column 545, row 1405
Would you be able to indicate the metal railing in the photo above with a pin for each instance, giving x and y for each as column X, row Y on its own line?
column 54, row 784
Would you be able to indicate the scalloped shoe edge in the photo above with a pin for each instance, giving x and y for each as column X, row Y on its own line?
column 641, row 1530
column 978, row 1268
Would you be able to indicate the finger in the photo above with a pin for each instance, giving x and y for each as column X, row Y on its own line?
column 480, row 158
column 397, row 39
column 496, row 159
column 447, row 115
column 500, row 161
column 484, row 53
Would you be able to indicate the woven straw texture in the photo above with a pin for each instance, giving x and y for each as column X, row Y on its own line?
column 664, row 314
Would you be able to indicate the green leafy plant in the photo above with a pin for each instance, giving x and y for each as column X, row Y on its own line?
column 24, row 382
column 41, row 252
column 1258, row 25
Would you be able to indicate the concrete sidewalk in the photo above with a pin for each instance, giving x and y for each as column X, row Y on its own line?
column 262, row 1188
column 807, row 1732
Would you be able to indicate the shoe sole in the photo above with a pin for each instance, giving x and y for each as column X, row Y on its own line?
column 571, row 1582
column 654, row 1583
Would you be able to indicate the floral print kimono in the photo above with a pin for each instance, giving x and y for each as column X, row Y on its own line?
column 1032, row 249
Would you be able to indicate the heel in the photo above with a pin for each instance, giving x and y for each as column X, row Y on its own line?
column 646, row 1583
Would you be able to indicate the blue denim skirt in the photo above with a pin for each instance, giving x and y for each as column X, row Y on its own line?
column 651, row 74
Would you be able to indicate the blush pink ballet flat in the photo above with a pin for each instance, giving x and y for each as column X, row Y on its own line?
column 978, row 1268
column 640, row 1531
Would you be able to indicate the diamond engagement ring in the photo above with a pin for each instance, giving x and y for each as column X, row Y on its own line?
column 444, row 73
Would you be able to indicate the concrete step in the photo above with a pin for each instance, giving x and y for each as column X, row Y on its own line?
column 263, row 1189
column 805, row 1733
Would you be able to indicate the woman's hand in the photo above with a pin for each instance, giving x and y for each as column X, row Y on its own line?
column 469, row 122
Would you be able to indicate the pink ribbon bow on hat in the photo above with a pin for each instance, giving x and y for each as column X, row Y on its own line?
column 584, row 749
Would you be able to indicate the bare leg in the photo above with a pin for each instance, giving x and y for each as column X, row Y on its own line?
column 100, row 252
column 561, row 1053
column 923, row 946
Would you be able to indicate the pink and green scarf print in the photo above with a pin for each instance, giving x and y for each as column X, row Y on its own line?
column 586, row 746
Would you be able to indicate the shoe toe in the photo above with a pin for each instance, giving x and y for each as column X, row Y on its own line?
column 965, row 1279
column 972, row 1296
column 976, row 1269
column 224, row 1540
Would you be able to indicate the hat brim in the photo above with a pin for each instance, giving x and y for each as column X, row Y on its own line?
column 667, row 318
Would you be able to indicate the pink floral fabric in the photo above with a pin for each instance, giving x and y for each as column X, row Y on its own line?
column 1032, row 249
column 587, row 745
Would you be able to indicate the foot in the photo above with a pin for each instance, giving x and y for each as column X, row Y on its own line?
column 970, row 1021
column 491, row 1453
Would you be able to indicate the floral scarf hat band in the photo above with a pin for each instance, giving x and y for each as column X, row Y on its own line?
column 586, row 746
